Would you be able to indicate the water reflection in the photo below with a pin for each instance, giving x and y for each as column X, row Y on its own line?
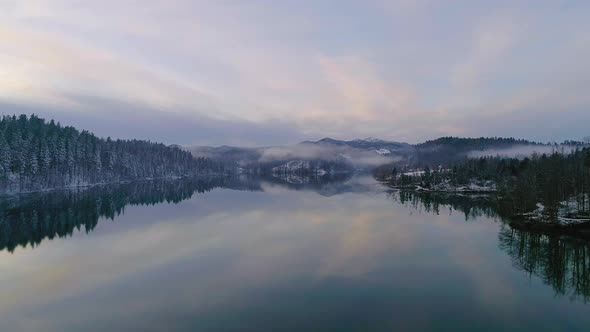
column 327, row 185
column 29, row 219
column 472, row 206
column 562, row 262
column 339, row 256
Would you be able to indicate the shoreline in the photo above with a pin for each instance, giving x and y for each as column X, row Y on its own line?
column 578, row 230
column 575, row 227
column 100, row 184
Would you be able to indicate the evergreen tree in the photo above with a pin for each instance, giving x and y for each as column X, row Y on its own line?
column 36, row 155
column 554, row 180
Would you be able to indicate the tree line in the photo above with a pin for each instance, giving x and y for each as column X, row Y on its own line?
column 35, row 154
column 550, row 179
column 446, row 150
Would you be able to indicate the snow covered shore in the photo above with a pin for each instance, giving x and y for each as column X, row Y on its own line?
column 473, row 188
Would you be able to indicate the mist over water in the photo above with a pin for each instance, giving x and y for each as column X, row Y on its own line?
column 326, row 152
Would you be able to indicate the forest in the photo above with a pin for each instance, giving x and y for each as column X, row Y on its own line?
column 36, row 155
column 556, row 181
column 445, row 150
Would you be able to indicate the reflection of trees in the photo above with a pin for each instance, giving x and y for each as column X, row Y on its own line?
column 310, row 182
column 472, row 206
column 562, row 262
column 29, row 219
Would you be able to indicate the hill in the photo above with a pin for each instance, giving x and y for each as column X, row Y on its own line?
column 370, row 153
column 37, row 155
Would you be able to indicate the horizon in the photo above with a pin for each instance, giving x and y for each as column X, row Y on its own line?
column 584, row 140
column 264, row 73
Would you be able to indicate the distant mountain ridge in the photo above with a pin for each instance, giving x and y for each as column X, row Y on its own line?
column 39, row 155
column 372, row 152
column 363, row 152
column 445, row 150
column 368, row 143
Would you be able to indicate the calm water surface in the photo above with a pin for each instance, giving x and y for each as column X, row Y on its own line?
column 347, row 256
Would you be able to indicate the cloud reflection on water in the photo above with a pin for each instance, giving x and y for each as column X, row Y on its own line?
column 268, row 260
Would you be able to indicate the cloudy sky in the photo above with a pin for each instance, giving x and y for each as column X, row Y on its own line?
column 276, row 72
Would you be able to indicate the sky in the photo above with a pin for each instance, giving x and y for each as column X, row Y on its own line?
column 267, row 72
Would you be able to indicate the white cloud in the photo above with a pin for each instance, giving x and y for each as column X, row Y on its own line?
column 398, row 70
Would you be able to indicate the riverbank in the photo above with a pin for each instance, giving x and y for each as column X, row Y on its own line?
column 567, row 220
column 446, row 188
column 86, row 185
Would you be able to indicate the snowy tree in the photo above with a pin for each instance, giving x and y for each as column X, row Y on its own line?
column 35, row 154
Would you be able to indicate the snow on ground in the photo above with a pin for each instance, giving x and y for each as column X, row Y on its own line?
column 567, row 213
column 487, row 187
column 413, row 173
column 294, row 166
column 383, row 151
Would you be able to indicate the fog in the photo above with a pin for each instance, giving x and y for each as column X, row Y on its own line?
column 326, row 152
column 522, row 151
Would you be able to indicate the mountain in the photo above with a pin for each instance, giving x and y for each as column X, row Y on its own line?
column 329, row 155
column 317, row 158
column 461, row 144
column 381, row 147
column 445, row 150
column 228, row 154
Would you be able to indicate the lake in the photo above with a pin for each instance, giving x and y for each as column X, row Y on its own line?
column 250, row 255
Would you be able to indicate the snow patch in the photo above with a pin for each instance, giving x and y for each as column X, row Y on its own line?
column 414, row 173
column 383, row 151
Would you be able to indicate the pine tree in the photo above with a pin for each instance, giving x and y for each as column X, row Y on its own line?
column 35, row 154
column 5, row 158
